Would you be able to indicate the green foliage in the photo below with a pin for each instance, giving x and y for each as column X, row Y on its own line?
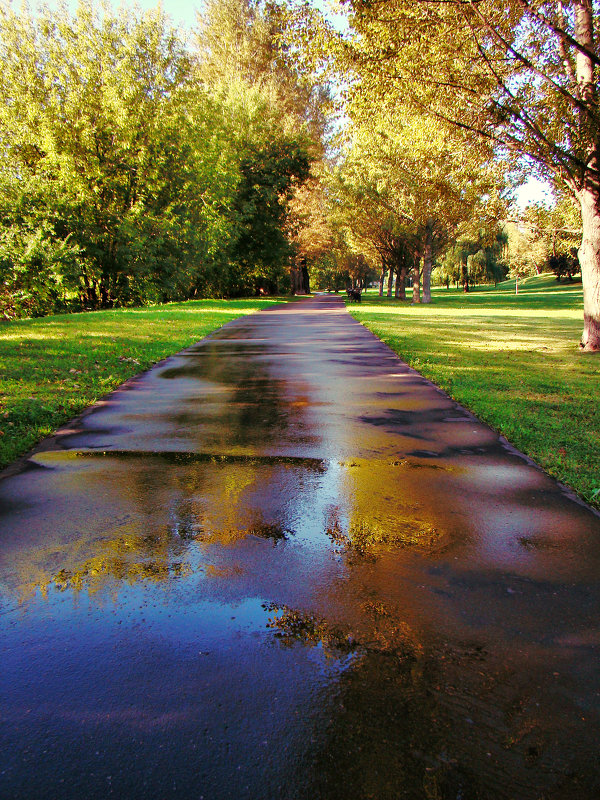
column 405, row 187
column 326, row 274
column 268, row 177
column 475, row 257
column 277, row 126
column 136, row 172
column 519, row 77
column 93, row 117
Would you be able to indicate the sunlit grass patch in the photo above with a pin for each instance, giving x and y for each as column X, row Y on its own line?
column 514, row 361
column 52, row 368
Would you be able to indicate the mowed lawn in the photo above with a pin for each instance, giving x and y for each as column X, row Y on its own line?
column 511, row 359
column 54, row 367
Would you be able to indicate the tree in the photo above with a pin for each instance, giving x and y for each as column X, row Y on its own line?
column 136, row 171
column 310, row 232
column 280, row 125
column 369, row 233
column 413, row 187
column 476, row 256
column 269, row 175
column 557, row 231
column 96, row 119
column 522, row 75
column 526, row 250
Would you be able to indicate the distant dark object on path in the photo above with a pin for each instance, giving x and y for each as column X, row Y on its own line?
column 354, row 294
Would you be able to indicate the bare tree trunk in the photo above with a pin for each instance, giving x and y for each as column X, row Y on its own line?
column 416, row 283
column 295, row 280
column 427, row 261
column 305, row 278
column 589, row 259
column 299, row 278
column 589, row 193
column 390, row 282
column 381, row 281
column 400, row 287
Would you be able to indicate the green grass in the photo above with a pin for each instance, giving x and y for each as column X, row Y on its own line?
column 511, row 359
column 52, row 368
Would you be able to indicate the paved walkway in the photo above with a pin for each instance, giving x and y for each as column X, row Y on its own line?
column 283, row 565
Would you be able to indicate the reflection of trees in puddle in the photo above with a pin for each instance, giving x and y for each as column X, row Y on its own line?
column 410, row 720
column 377, row 631
column 381, row 738
column 195, row 521
column 383, row 505
column 92, row 572
column 407, row 715
column 251, row 406
column 291, row 626
column 368, row 531
column 178, row 521
column 128, row 558
column 415, row 719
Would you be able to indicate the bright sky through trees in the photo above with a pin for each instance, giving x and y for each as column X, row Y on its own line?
column 534, row 191
column 183, row 13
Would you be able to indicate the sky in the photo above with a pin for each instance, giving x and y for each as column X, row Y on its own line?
column 534, row 191
column 183, row 13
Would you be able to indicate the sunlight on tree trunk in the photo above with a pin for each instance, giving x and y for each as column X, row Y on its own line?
column 416, row 298
column 589, row 259
column 427, row 263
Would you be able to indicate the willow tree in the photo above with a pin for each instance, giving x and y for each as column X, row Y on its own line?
column 522, row 74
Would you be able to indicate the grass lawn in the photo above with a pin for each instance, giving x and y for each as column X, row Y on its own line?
column 511, row 359
column 54, row 367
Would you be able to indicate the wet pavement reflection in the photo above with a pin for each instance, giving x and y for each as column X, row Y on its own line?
column 283, row 565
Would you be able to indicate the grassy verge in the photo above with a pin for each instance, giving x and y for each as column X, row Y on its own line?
column 511, row 359
column 52, row 368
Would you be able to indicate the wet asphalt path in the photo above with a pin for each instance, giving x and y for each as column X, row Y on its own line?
column 283, row 565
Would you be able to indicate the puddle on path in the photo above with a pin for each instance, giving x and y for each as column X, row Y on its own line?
column 260, row 627
column 263, row 590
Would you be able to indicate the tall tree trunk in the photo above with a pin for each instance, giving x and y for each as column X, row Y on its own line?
column 305, row 277
column 294, row 280
column 400, row 285
column 416, row 298
column 390, row 282
column 299, row 282
column 427, row 261
column 381, row 281
column 589, row 259
column 589, row 193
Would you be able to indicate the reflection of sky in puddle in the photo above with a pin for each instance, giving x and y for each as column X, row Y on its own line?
column 192, row 696
column 144, row 649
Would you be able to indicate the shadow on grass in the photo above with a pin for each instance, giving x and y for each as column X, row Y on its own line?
column 561, row 297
